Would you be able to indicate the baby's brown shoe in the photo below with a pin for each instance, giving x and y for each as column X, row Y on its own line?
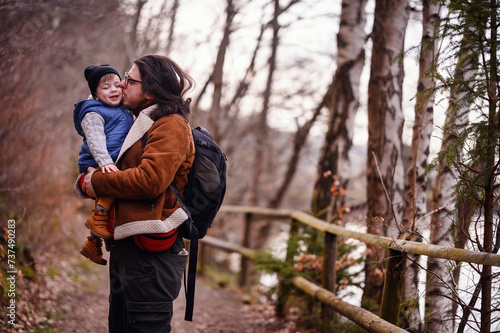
column 92, row 250
column 98, row 223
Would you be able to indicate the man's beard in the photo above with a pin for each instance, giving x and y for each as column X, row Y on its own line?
column 136, row 108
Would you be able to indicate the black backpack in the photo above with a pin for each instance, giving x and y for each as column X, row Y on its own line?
column 202, row 199
column 206, row 185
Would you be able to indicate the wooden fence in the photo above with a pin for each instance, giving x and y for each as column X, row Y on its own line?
column 369, row 321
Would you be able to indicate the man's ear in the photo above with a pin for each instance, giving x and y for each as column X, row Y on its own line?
column 148, row 96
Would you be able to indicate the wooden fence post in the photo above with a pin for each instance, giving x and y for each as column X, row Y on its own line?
column 391, row 295
column 284, row 290
column 202, row 258
column 329, row 277
column 246, row 243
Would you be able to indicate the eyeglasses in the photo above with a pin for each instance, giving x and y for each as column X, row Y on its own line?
column 127, row 79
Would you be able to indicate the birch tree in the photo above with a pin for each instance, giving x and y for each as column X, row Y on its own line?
column 443, row 276
column 385, row 126
column 470, row 152
column 481, row 166
column 415, row 203
column 342, row 100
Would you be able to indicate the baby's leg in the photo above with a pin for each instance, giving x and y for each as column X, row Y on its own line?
column 105, row 203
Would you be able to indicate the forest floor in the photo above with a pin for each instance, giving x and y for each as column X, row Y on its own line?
column 71, row 295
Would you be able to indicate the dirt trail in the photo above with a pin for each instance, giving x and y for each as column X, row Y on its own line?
column 216, row 311
column 72, row 297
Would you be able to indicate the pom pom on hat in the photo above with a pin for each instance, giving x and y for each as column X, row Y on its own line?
column 94, row 73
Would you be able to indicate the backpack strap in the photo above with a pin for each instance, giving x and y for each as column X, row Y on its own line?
column 193, row 258
column 144, row 140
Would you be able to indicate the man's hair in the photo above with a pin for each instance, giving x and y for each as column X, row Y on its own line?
column 167, row 83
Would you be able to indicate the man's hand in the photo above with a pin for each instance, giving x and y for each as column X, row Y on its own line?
column 87, row 185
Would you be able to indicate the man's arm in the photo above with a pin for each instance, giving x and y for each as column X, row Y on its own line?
column 169, row 145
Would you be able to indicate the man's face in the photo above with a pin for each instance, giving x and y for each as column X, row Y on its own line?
column 109, row 91
column 133, row 97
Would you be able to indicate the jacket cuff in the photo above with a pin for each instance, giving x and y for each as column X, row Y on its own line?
column 78, row 189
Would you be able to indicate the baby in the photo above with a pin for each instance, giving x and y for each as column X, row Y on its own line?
column 103, row 123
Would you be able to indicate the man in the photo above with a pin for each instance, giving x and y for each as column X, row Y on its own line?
column 148, row 259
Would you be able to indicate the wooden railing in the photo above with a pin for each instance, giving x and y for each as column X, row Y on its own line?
column 369, row 321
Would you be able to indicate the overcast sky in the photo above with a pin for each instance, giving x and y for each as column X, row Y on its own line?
column 312, row 39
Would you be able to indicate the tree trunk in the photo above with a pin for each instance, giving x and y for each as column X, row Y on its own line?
column 443, row 276
column 218, row 73
column 262, row 127
column 298, row 143
column 233, row 108
column 171, row 30
column 385, row 126
column 262, row 136
column 491, row 171
column 415, row 203
column 132, row 43
column 342, row 99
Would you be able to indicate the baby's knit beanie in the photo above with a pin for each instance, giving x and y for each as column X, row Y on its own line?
column 94, row 73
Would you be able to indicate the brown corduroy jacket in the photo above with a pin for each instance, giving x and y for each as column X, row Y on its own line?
column 144, row 202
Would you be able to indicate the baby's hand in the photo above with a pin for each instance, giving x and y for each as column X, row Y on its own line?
column 109, row 168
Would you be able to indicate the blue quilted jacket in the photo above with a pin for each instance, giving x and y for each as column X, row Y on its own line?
column 117, row 123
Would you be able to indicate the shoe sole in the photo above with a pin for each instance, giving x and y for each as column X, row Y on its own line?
column 104, row 262
column 97, row 232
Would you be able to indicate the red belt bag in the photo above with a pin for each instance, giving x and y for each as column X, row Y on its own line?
column 156, row 242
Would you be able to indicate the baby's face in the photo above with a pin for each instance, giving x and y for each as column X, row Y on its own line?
column 109, row 91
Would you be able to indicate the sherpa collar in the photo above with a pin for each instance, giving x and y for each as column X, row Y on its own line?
column 140, row 127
